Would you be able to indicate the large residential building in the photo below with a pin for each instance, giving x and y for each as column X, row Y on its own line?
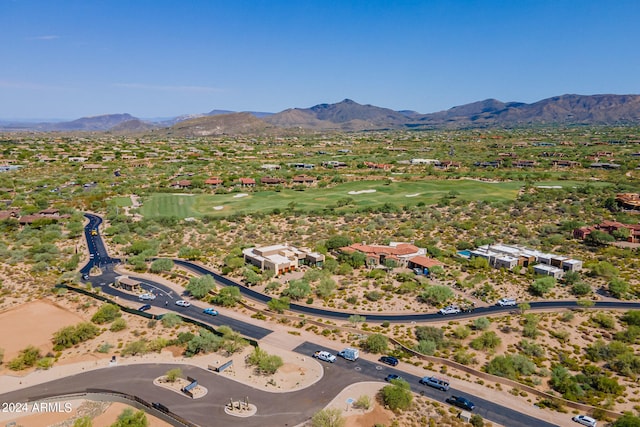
column 609, row 227
column 401, row 253
column 281, row 258
column 510, row 257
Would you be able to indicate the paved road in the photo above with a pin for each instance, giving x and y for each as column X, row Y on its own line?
column 274, row 409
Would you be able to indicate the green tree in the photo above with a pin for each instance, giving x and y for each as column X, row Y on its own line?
column 376, row 343
column 397, row 396
column 631, row 317
column 599, row 238
column 129, row 418
column 189, row 253
column 228, row 296
column 580, row 289
column 436, row 294
column 161, row 265
column 297, row 289
column 173, row 374
column 355, row 319
column 279, row 305
column 336, row 242
column 200, row 287
column 250, row 277
column 603, row 269
column 118, row 325
column 330, row 417
column 618, row 287
column 476, row 420
column 542, row 285
column 627, row 420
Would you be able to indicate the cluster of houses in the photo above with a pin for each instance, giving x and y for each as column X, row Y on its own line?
column 215, row 182
column 609, row 227
column 50, row 214
column 284, row 258
column 510, row 257
column 629, row 201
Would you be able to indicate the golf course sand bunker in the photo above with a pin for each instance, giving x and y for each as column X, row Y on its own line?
column 218, row 208
column 361, row 192
column 412, row 195
column 237, row 196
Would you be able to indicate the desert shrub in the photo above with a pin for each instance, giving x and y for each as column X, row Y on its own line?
column 26, row 359
column 173, row 374
column 330, row 417
column 487, row 341
column 481, row 323
column 171, row 320
column 71, row 335
column 279, row 305
column 135, row 348
column 106, row 313
column 264, row 363
column 118, row 325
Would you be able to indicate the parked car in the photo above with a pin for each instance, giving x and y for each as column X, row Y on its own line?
column 450, row 309
column 505, row 302
column 183, row 303
column 389, row 360
column 210, row 311
column 324, row 355
column 145, row 307
column 85, row 276
column 147, row 297
column 435, row 382
column 585, row 420
column 94, row 232
column 461, row 402
column 393, row 377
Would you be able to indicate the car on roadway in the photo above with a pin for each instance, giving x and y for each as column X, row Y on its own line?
column 147, row 297
column 183, row 303
column 325, row 355
column 145, row 307
column 94, row 232
column 506, row 302
column 435, row 382
column 391, row 377
column 85, row 277
column 389, row 360
column 460, row 402
column 210, row 311
column 450, row 309
column 585, row 420
column 160, row 407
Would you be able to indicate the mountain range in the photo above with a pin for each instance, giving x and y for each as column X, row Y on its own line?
column 348, row 115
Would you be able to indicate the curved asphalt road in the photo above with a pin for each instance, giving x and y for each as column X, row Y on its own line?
column 273, row 409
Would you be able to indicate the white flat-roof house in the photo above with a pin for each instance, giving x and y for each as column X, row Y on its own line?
column 548, row 270
column 507, row 256
column 281, row 258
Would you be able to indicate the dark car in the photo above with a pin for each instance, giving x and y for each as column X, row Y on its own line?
column 391, row 377
column 160, row 407
column 389, row 360
column 461, row 402
column 145, row 307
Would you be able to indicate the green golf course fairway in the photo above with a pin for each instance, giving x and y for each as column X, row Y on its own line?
column 396, row 193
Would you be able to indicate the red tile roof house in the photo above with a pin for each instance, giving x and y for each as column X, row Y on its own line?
column 377, row 254
column 609, row 227
column 266, row 180
column 247, row 182
column 214, row 182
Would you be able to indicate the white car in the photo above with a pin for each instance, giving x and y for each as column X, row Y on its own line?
column 504, row 302
column 585, row 421
column 183, row 303
column 147, row 297
column 451, row 309
column 324, row 355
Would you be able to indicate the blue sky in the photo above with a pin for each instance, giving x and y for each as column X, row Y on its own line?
column 155, row 58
